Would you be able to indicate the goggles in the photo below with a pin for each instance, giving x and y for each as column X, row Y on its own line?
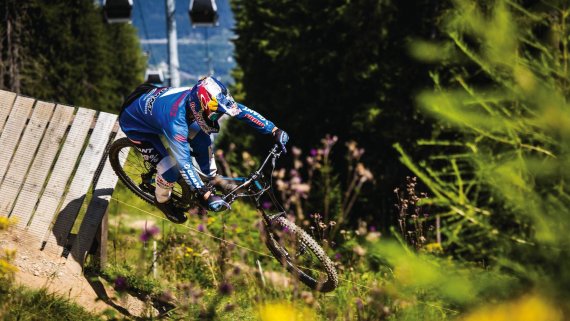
column 213, row 116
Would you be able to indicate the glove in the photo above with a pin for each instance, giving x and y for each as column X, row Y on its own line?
column 217, row 204
column 281, row 137
column 213, row 203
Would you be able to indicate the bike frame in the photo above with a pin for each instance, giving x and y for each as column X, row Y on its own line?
column 257, row 185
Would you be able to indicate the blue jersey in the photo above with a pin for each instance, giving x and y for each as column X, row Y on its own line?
column 164, row 112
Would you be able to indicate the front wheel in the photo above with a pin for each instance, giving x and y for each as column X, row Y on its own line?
column 301, row 255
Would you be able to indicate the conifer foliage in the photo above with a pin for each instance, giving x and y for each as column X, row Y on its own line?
column 337, row 67
column 499, row 168
column 62, row 51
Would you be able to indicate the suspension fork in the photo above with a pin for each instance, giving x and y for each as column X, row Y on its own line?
column 258, row 186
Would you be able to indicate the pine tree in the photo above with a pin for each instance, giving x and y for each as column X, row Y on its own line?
column 337, row 67
column 499, row 168
column 69, row 55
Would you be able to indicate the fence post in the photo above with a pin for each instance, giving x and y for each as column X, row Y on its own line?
column 102, row 234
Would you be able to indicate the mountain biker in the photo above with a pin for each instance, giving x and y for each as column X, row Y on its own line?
column 171, row 128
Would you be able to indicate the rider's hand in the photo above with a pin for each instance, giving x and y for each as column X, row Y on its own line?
column 281, row 137
column 213, row 202
column 217, row 204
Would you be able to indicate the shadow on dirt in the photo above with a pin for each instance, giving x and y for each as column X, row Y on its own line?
column 87, row 242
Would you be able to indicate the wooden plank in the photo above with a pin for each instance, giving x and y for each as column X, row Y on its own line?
column 24, row 155
column 39, row 171
column 14, row 127
column 81, row 182
column 51, row 196
column 6, row 102
column 96, row 210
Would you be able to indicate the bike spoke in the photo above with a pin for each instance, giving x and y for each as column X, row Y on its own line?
column 141, row 173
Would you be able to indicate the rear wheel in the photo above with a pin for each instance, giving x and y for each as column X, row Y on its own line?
column 138, row 175
column 301, row 255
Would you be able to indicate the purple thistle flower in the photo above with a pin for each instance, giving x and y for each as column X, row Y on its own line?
column 266, row 205
column 153, row 230
column 236, row 271
column 225, row 288
column 337, row 256
column 313, row 152
column 144, row 237
column 359, row 303
column 120, row 283
column 149, row 233
column 201, row 227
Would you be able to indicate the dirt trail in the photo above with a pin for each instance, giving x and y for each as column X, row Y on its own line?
column 39, row 269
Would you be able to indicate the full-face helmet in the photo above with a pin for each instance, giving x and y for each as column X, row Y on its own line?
column 209, row 100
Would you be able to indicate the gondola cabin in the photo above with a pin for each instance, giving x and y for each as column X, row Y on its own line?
column 154, row 76
column 203, row 13
column 117, row 11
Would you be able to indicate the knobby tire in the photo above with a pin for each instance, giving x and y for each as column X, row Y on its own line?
column 281, row 255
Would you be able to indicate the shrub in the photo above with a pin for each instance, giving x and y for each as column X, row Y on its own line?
column 498, row 167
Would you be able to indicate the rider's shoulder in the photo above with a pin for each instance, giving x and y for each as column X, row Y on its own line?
column 175, row 92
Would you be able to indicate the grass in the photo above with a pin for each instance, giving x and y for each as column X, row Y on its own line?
column 218, row 268
column 380, row 279
column 22, row 304
column 194, row 267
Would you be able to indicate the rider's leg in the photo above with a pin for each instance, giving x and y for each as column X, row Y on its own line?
column 153, row 151
column 166, row 174
column 148, row 151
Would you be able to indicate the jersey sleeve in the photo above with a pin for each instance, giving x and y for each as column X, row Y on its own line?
column 176, row 136
column 253, row 119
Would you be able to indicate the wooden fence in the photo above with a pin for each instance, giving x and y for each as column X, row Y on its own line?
column 52, row 157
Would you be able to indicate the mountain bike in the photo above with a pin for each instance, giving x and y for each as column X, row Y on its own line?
column 296, row 250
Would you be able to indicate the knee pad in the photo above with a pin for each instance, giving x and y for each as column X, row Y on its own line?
column 166, row 175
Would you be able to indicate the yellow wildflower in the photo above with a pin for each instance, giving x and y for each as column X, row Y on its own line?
column 6, row 222
column 528, row 308
column 6, row 268
column 433, row 248
column 284, row 312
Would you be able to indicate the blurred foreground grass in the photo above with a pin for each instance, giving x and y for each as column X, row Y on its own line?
column 381, row 278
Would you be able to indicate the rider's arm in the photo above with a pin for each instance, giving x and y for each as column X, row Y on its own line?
column 261, row 124
column 255, row 120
